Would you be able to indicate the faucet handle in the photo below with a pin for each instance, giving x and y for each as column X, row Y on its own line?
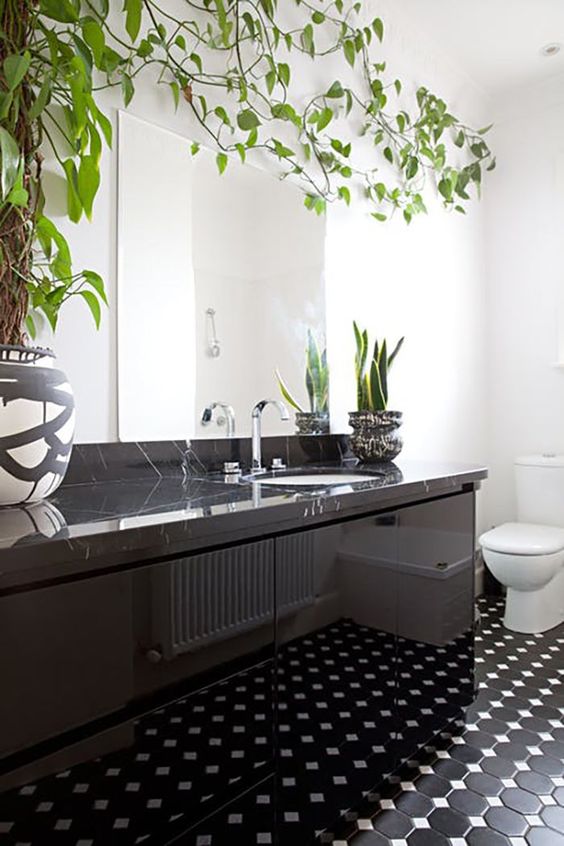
column 277, row 464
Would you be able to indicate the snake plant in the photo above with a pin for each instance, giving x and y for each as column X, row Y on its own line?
column 372, row 376
column 316, row 379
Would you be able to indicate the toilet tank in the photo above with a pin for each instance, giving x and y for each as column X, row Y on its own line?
column 539, row 481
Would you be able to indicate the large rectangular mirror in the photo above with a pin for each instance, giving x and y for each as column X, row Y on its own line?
column 220, row 278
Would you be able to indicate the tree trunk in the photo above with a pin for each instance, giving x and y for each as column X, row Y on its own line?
column 16, row 223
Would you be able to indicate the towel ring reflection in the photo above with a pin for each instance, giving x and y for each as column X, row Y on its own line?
column 214, row 347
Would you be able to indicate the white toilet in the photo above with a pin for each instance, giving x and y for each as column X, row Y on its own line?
column 528, row 557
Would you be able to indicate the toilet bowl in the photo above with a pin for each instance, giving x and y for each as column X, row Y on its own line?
column 528, row 560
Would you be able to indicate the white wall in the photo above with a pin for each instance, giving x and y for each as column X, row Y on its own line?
column 525, row 260
column 426, row 282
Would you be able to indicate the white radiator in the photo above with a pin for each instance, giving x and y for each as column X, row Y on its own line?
column 217, row 595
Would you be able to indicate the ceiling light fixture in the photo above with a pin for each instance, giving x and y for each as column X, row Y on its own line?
column 551, row 49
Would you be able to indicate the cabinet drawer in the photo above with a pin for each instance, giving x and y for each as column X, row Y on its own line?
column 66, row 658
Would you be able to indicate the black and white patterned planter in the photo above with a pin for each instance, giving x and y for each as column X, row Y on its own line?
column 375, row 435
column 36, row 424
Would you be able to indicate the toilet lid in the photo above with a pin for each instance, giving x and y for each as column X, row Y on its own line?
column 524, row 539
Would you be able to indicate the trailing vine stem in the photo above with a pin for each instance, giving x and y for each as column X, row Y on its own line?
column 230, row 63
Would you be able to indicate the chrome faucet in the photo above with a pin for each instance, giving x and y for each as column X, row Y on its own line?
column 207, row 416
column 257, row 417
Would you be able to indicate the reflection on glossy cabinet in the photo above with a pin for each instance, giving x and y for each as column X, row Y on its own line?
column 254, row 692
column 378, row 660
column 195, row 635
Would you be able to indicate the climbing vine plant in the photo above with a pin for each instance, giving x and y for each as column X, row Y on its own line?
column 230, row 63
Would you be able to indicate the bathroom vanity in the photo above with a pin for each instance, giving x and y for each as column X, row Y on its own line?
column 199, row 662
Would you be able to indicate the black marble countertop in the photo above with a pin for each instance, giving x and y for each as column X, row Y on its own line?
column 95, row 527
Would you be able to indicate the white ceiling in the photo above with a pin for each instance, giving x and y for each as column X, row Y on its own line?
column 497, row 42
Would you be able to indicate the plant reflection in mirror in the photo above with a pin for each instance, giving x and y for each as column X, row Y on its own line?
column 316, row 380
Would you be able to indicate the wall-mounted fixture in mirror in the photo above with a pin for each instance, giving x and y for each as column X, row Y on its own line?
column 220, row 280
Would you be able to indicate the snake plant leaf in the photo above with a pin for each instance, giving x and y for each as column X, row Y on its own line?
column 382, row 362
column 365, row 394
column 376, row 355
column 286, row 393
column 378, row 399
column 397, row 348
column 310, row 388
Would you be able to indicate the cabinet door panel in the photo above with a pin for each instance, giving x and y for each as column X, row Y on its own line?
column 336, row 670
column 435, row 616
column 198, row 636
column 67, row 658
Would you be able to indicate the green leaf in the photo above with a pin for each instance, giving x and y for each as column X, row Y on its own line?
column 18, row 197
column 307, row 41
column 247, row 120
column 133, row 10
column 15, row 68
column 336, row 90
column 64, row 11
column 175, row 88
column 194, row 57
column 397, row 348
column 325, row 118
column 88, row 182
column 30, row 326
column 281, row 151
column 249, row 23
column 378, row 28
column 41, row 100
column 220, row 112
column 379, row 216
column 93, row 34
column 127, row 89
column 284, row 73
column 345, row 194
column 349, row 51
column 270, row 79
column 445, row 189
column 93, row 304
column 412, row 167
column 10, row 155
column 286, row 393
column 74, row 204
column 221, row 161
column 485, row 129
column 96, row 281
column 377, row 397
column 388, row 154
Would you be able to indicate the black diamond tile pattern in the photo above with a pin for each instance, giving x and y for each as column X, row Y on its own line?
column 496, row 780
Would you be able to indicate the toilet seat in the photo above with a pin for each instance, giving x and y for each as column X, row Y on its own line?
column 524, row 539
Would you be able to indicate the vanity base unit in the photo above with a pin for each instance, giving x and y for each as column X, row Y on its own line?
column 251, row 693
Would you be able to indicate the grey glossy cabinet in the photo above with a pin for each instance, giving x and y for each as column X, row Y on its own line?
column 377, row 661
column 256, row 690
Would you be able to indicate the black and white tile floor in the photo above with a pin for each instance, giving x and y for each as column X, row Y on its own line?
column 500, row 782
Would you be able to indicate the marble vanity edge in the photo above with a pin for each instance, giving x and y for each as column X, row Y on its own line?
column 106, row 545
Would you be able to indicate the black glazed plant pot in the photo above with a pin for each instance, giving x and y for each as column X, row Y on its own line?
column 375, row 435
column 312, row 422
column 36, row 424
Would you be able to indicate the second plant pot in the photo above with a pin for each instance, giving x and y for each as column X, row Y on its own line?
column 375, row 435
column 312, row 422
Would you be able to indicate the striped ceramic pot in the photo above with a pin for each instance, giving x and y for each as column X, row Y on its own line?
column 36, row 424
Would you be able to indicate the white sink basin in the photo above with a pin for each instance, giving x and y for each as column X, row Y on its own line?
column 312, row 480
